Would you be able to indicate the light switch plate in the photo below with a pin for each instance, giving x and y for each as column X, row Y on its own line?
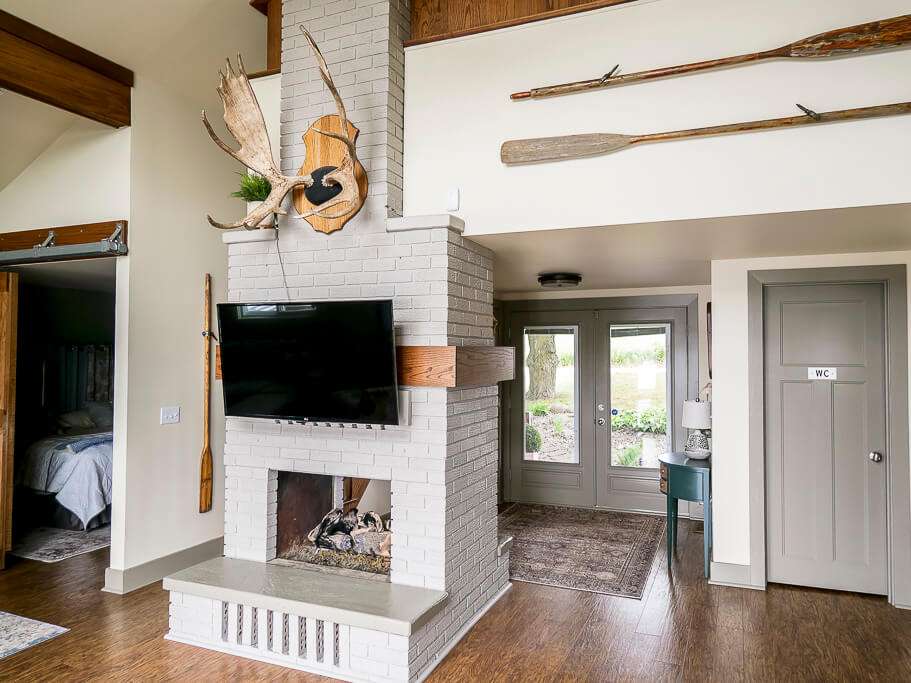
column 170, row 415
column 453, row 199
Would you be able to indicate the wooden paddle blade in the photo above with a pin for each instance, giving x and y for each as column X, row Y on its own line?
column 205, row 481
column 534, row 150
column 877, row 35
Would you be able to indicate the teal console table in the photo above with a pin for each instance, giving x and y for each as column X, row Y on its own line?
column 685, row 479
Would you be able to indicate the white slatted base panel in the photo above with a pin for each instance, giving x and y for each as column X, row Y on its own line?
column 257, row 633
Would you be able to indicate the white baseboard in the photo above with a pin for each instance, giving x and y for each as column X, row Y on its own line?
column 441, row 655
column 735, row 575
column 121, row 581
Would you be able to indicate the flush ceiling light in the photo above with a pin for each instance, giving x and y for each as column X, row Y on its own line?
column 559, row 280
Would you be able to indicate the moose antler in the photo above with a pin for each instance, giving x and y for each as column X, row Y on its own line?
column 344, row 174
column 244, row 120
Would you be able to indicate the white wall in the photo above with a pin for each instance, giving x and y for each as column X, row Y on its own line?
column 82, row 177
column 458, row 112
column 178, row 176
column 730, row 419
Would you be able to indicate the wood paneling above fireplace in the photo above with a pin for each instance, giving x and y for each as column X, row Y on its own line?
column 433, row 20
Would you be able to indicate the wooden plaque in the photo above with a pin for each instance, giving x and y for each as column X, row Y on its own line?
column 323, row 150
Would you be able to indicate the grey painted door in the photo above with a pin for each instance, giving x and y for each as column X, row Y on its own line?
column 825, row 415
column 641, row 384
column 552, row 454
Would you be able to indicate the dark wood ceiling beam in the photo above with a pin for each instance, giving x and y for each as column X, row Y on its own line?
column 432, row 20
column 273, row 11
column 45, row 67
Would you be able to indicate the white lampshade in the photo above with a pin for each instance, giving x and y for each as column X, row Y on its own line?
column 697, row 415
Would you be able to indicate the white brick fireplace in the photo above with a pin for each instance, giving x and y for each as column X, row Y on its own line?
column 447, row 567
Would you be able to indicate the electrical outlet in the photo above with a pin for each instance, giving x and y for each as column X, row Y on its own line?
column 170, row 415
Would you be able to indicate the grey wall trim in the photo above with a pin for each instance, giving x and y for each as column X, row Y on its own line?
column 737, row 575
column 894, row 280
column 124, row 581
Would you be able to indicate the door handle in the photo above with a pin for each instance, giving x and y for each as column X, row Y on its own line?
column 875, row 457
column 601, row 421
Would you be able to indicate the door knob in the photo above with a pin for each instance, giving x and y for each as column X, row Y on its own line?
column 601, row 421
column 876, row 457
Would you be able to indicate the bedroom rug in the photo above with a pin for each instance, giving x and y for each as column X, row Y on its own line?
column 53, row 545
column 19, row 633
column 587, row 550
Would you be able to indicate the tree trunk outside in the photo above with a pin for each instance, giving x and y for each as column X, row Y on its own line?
column 542, row 367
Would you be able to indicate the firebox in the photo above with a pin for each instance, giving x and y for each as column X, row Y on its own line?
column 334, row 522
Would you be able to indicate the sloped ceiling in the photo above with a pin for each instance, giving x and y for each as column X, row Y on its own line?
column 155, row 39
column 27, row 128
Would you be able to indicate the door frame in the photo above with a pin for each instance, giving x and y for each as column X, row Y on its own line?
column 689, row 302
column 893, row 278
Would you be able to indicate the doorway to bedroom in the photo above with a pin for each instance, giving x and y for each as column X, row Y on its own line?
column 61, row 417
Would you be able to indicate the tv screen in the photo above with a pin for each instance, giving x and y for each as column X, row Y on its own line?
column 319, row 361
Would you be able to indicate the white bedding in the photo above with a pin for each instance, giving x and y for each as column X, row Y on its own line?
column 81, row 481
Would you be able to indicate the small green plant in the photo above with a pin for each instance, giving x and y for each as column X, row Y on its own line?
column 653, row 420
column 559, row 425
column 539, row 409
column 567, row 359
column 630, row 456
column 253, row 188
column 532, row 439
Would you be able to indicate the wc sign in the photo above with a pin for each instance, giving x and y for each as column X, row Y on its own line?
column 822, row 373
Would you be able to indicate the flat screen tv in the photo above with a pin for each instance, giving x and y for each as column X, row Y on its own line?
column 309, row 361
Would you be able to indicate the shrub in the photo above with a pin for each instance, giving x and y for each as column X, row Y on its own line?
column 558, row 425
column 567, row 359
column 630, row 456
column 629, row 358
column 532, row 439
column 653, row 420
column 253, row 188
column 539, row 408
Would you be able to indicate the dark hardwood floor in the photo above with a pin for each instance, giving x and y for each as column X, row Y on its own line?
column 682, row 629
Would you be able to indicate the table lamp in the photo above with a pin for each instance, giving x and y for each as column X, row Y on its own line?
column 697, row 415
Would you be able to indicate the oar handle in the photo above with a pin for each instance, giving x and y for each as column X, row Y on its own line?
column 791, row 121
column 651, row 74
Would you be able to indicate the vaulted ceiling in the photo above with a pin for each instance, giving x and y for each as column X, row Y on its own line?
column 27, row 127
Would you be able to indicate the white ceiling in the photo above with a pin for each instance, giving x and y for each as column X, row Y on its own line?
column 164, row 40
column 27, row 127
column 91, row 274
column 680, row 252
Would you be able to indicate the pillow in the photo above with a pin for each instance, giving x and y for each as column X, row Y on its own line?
column 101, row 414
column 76, row 419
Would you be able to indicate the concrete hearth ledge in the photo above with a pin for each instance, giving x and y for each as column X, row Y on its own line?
column 375, row 605
column 244, row 236
column 437, row 220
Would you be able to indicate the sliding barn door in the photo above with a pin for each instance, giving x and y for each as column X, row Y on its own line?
column 9, row 291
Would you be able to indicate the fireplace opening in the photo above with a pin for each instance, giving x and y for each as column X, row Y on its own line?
column 334, row 522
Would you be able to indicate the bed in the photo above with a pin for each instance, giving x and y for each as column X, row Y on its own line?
column 76, row 469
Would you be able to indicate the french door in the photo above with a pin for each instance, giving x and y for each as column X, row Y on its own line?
column 594, row 403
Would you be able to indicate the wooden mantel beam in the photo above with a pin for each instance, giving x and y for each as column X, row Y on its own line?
column 45, row 67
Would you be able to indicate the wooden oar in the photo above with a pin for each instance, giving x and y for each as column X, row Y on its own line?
column 877, row 35
column 592, row 144
column 205, row 465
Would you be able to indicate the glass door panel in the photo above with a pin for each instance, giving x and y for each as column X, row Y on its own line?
column 640, row 424
column 550, row 394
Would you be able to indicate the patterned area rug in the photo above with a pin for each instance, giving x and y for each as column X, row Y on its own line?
column 53, row 545
column 18, row 633
column 587, row 550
